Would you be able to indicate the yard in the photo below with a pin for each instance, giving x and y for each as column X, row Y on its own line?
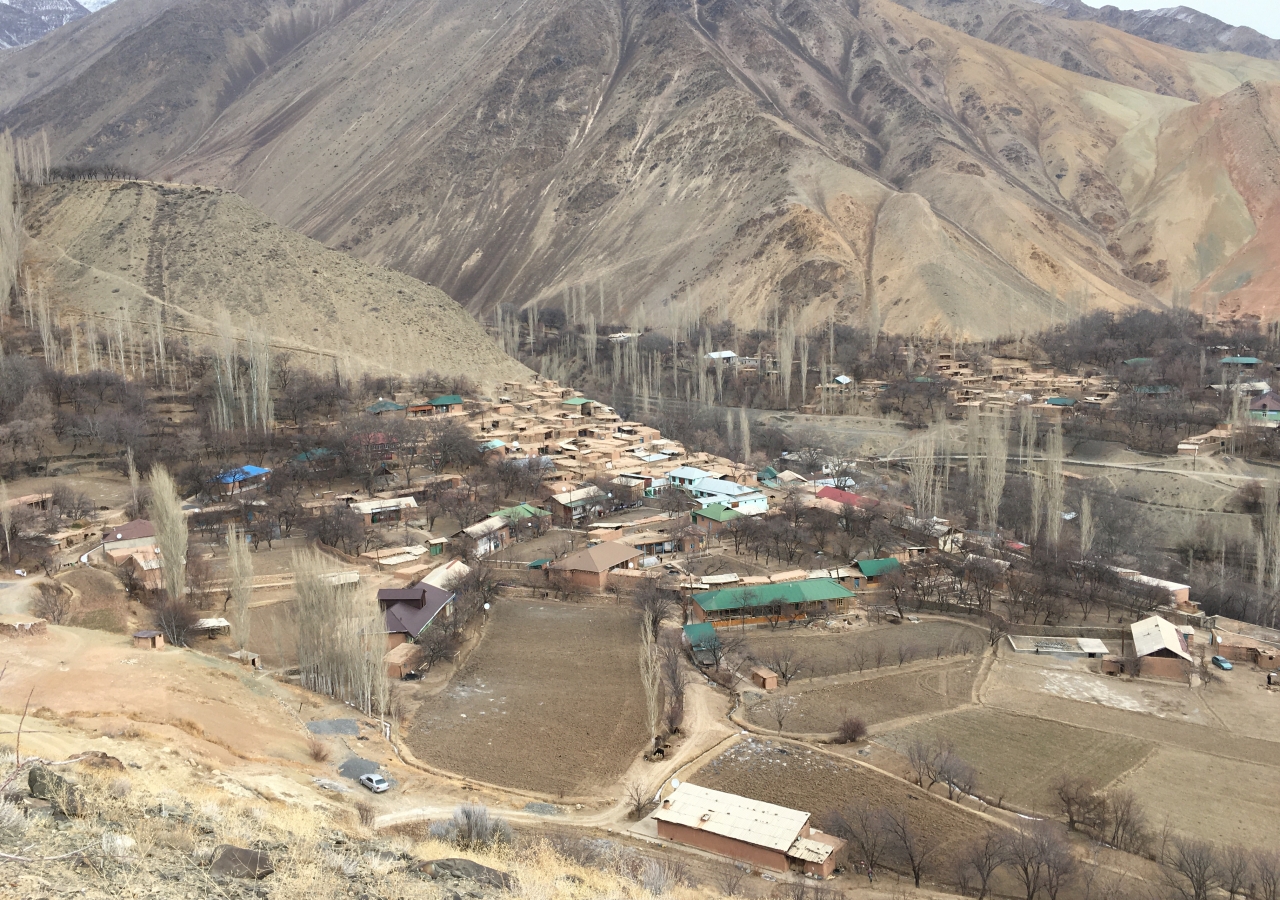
column 836, row 653
column 1018, row 758
column 550, row 701
column 874, row 699
column 804, row 778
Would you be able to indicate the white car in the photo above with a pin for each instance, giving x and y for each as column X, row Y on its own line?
column 375, row 782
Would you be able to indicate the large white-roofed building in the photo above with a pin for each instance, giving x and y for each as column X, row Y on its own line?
column 761, row 834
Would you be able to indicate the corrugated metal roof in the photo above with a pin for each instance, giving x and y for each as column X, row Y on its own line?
column 1155, row 633
column 808, row 591
column 873, row 568
column 809, row 850
column 1092, row 645
column 731, row 816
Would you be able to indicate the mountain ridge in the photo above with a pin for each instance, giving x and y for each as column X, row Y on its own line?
column 854, row 161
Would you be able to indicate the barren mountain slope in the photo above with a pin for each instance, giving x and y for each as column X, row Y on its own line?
column 842, row 159
column 108, row 245
column 1081, row 44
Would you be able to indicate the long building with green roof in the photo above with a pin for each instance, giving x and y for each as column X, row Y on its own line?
column 790, row 599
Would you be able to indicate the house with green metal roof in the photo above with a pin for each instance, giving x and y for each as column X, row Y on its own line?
column 1138, row 361
column 761, row 602
column 876, row 569
column 1244, row 362
column 1061, row 401
column 715, row 517
column 383, row 407
column 521, row 513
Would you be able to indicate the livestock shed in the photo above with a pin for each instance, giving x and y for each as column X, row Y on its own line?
column 402, row 660
column 758, row 603
column 148, row 640
column 762, row 835
column 876, row 570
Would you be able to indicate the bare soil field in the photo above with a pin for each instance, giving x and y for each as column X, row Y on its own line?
column 102, row 602
column 837, row 653
column 1142, row 720
column 1217, row 799
column 801, row 777
column 550, row 701
column 877, row 699
column 1019, row 757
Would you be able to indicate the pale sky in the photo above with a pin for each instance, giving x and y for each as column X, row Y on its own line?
column 1260, row 15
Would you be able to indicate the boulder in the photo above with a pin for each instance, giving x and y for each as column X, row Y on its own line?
column 465, row 869
column 65, row 796
column 96, row 759
column 240, row 862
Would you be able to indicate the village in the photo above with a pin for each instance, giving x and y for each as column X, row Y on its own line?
column 813, row 609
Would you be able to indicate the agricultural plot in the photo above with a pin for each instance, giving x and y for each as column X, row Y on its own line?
column 874, row 699
column 1019, row 757
column 550, row 701
column 837, row 653
column 101, row 601
column 803, row 778
column 1226, row 801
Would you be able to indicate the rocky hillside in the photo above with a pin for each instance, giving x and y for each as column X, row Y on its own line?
column 855, row 160
column 199, row 252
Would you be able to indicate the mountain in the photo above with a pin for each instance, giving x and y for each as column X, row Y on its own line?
column 25, row 21
column 1179, row 26
column 203, row 253
column 656, row 160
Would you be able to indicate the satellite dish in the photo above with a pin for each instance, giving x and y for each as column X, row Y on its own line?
column 85, row 558
column 675, row 782
column 119, row 536
column 486, row 606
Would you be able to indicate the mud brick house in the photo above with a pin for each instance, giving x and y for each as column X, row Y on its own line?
column 1160, row 649
column 589, row 569
column 758, row 834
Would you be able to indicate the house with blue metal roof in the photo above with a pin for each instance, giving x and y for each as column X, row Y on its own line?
column 233, row 481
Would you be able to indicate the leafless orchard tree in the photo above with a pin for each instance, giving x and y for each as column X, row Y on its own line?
column 1034, row 854
column 786, row 663
column 240, row 569
column 780, row 708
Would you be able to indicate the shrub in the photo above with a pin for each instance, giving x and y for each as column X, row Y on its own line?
column 316, row 749
column 851, row 730
column 367, row 814
column 472, row 828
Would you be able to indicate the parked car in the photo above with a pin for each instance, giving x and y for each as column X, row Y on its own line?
column 1222, row 663
column 375, row 782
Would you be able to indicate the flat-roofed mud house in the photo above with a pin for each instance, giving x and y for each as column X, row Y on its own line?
column 759, row 834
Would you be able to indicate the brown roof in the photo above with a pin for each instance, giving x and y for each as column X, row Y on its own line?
column 138, row 528
column 600, row 558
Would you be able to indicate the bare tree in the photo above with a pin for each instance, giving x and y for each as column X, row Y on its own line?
column 786, row 663
column 6, row 514
column 780, row 708
column 919, row 847
column 174, row 614
column 925, row 757
column 656, row 605
column 1233, row 867
column 340, row 638
column 240, row 569
column 1077, row 799
column 1266, row 870
column 959, row 776
column 53, row 603
column 1194, row 869
column 864, row 829
column 1025, row 852
column 979, row 860
column 1059, row 863
column 1126, row 822
column 436, row 646
column 996, row 450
